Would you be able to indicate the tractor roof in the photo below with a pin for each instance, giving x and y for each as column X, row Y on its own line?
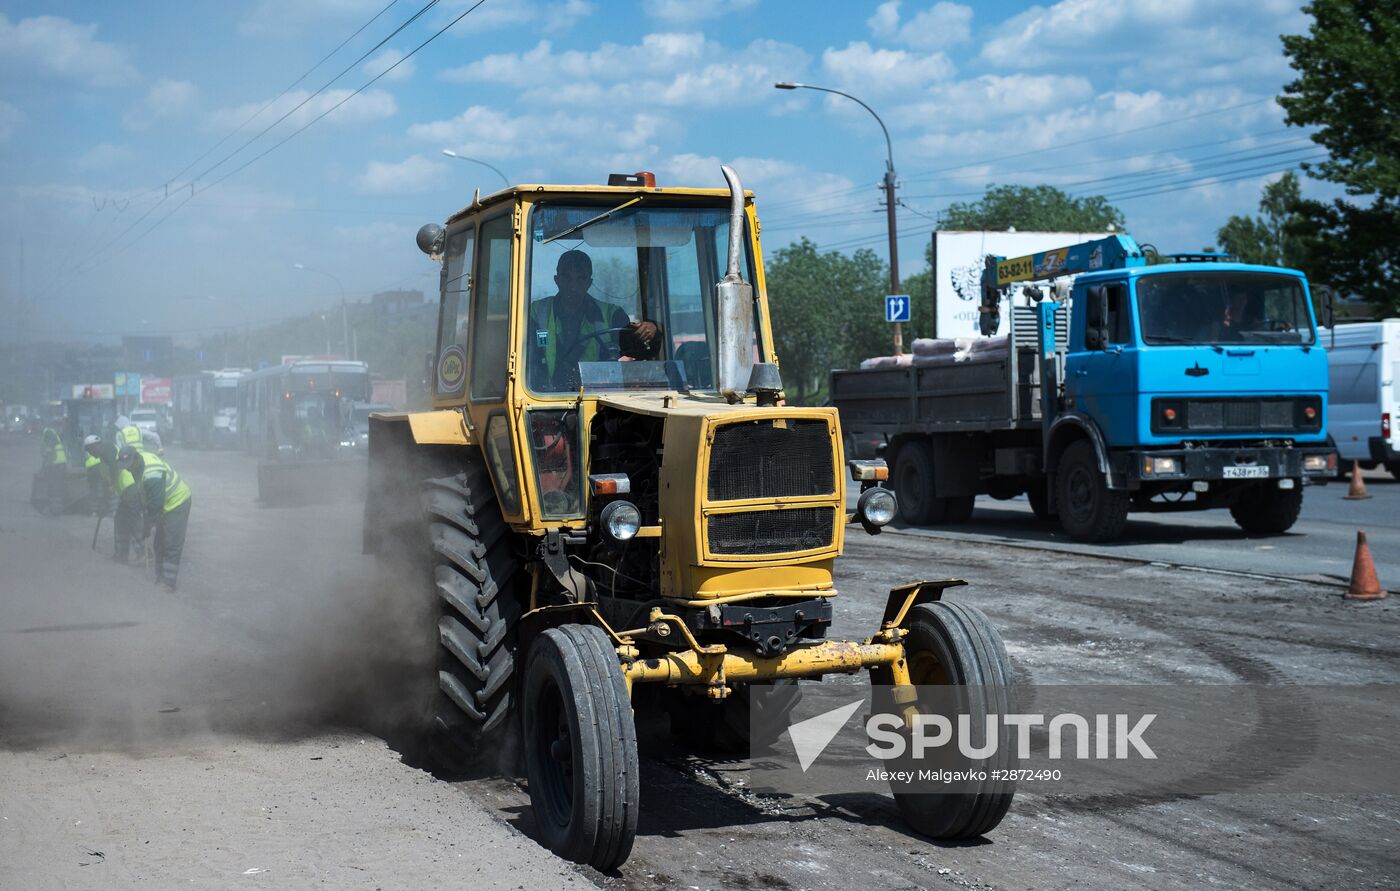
column 535, row 191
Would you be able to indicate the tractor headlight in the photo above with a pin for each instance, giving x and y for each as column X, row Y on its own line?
column 876, row 507
column 1319, row 463
column 621, row 520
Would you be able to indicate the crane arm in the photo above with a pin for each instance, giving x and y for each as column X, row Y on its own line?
column 1113, row 252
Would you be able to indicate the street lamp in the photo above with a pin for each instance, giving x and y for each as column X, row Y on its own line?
column 344, row 324
column 889, row 194
column 451, row 154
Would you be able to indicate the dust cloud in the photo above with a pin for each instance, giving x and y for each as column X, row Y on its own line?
column 280, row 628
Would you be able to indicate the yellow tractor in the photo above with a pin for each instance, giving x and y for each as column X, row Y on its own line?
column 610, row 504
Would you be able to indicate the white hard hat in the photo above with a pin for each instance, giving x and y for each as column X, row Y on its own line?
column 123, row 421
column 92, row 439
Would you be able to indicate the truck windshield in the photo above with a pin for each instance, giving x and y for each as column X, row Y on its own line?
column 1223, row 307
column 626, row 302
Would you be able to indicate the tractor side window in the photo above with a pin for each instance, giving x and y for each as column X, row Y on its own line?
column 502, row 458
column 1120, row 326
column 554, row 444
column 491, row 317
column 454, row 313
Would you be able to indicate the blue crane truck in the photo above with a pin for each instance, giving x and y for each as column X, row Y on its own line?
column 1188, row 384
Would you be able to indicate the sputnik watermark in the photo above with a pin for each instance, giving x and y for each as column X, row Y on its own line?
column 1113, row 737
column 889, row 739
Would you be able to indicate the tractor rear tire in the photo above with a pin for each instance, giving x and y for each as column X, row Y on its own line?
column 1267, row 509
column 954, row 644
column 580, row 747
column 1089, row 509
column 473, row 578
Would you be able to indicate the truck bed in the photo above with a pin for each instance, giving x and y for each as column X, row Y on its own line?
column 991, row 392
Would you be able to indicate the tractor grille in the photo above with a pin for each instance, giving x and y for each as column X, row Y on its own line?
column 771, row 531
column 783, row 458
column 1275, row 415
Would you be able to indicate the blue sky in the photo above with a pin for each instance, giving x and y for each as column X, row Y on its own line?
column 1165, row 107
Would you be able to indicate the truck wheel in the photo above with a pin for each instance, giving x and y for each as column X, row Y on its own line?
column 958, row 509
column 1089, row 509
column 1267, row 508
column 580, row 747
column 954, row 645
column 1038, row 494
column 913, row 485
column 474, row 579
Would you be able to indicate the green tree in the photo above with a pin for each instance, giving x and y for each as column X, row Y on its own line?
column 1271, row 239
column 1032, row 209
column 1348, row 86
column 828, row 312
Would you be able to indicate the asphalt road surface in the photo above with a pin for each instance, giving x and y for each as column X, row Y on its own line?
column 242, row 731
column 1318, row 548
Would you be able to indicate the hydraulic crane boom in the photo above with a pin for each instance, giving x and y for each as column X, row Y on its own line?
column 1113, row 252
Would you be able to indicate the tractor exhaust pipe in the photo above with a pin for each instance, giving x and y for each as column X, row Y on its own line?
column 734, row 304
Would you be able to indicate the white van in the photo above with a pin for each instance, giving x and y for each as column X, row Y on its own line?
column 1363, row 403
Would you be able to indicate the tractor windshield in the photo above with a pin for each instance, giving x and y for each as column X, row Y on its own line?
column 1223, row 307
column 625, row 302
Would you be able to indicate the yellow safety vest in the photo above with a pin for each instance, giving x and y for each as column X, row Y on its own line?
column 131, row 435
column 176, row 492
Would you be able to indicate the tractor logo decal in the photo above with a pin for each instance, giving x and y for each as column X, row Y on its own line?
column 452, row 368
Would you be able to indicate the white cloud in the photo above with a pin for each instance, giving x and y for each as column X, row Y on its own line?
column 860, row 67
column 967, row 101
column 693, row 10
column 105, row 156
column 164, row 99
column 488, row 134
column 62, row 48
column 667, row 69
column 413, row 174
column 940, row 26
column 371, row 105
column 1172, row 42
column 549, row 17
column 10, row 119
column 385, row 61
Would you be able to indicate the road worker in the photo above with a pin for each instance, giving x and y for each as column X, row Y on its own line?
column 165, row 503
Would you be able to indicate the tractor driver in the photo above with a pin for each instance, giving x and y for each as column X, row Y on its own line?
column 573, row 326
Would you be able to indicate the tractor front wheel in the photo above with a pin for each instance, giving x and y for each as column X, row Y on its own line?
column 954, row 646
column 580, row 747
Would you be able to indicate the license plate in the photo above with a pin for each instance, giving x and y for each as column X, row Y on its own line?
column 1246, row 472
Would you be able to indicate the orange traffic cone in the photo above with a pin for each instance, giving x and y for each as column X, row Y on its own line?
column 1357, row 491
column 1364, row 583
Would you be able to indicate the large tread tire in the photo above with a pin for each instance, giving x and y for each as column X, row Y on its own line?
column 1267, row 509
column 580, row 747
column 473, row 578
column 1089, row 510
column 952, row 643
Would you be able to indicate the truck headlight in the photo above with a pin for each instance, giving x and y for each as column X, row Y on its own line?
column 876, row 507
column 1319, row 463
column 1154, row 466
column 621, row 520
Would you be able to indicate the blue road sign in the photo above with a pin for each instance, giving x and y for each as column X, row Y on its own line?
column 897, row 307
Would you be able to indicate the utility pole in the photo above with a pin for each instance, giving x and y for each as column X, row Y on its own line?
column 889, row 186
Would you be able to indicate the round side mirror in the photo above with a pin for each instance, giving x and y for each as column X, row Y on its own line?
column 430, row 238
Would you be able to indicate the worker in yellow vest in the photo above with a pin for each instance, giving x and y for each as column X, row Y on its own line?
column 53, row 470
column 108, row 479
column 165, row 502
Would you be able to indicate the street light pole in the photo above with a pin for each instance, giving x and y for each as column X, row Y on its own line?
column 344, row 323
column 889, row 185
column 451, row 154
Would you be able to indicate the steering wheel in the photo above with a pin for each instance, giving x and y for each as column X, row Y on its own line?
column 1280, row 325
column 598, row 335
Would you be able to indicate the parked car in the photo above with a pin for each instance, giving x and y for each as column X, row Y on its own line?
column 1363, row 360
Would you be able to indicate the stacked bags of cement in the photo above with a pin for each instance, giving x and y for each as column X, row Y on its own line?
column 947, row 351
